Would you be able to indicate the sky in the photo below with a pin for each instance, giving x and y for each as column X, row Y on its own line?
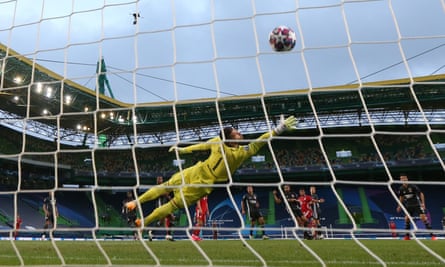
column 192, row 49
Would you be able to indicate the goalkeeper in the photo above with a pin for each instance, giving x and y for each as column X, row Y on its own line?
column 198, row 179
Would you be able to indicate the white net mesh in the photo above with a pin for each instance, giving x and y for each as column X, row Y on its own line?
column 94, row 93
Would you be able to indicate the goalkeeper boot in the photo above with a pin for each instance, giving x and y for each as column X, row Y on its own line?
column 196, row 237
column 130, row 206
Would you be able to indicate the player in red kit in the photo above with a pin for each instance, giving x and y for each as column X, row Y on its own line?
column 201, row 213
column 18, row 222
column 392, row 226
column 305, row 204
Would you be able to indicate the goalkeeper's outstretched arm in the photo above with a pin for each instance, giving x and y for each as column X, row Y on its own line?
column 195, row 147
column 285, row 125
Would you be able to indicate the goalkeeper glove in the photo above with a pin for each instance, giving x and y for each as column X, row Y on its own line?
column 286, row 124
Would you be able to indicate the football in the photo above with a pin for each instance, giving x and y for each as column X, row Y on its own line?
column 282, row 38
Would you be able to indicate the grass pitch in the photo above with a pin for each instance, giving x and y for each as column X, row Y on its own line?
column 222, row 253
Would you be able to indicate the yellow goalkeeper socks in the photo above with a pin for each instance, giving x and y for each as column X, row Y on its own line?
column 160, row 213
column 153, row 193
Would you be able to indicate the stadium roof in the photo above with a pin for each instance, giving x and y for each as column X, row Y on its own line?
column 30, row 91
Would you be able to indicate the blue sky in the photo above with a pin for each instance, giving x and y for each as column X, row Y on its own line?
column 189, row 49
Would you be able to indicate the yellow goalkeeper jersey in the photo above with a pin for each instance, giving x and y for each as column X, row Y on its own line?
column 214, row 166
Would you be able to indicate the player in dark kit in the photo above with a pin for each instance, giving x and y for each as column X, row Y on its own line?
column 130, row 216
column 295, row 207
column 50, row 209
column 316, row 211
column 251, row 207
column 413, row 200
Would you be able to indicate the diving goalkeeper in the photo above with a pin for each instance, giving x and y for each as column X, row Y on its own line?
column 213, row 169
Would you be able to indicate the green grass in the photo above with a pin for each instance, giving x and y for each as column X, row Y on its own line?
column 222, row 253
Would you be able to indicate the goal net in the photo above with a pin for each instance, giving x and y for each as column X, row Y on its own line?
column 94, row 93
